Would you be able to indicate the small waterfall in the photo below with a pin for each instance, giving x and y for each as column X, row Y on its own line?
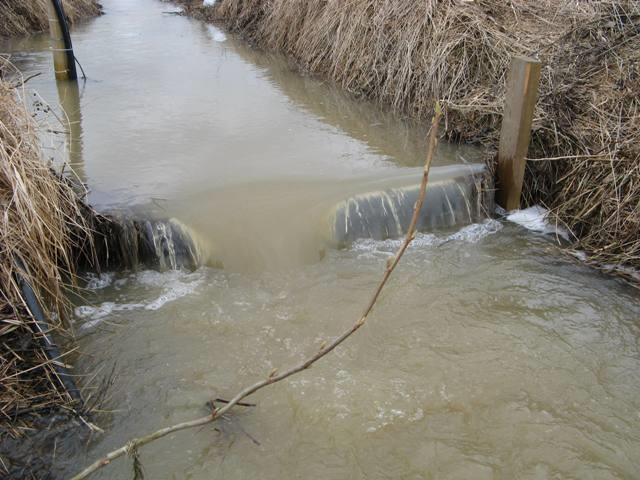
column 124, row 242
column 172, row 244
column 449, row 202
column 292, row 228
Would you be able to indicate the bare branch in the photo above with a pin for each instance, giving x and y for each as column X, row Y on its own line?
column 22, row 82
column 274, row 376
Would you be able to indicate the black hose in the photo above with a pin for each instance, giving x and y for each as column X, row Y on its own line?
column 66, row 36
column 51, row 349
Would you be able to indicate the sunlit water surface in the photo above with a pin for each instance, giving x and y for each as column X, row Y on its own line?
column 489, row 356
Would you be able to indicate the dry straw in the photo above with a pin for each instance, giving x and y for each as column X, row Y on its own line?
column 21, row 17
column 407, row 54
column 41, row 225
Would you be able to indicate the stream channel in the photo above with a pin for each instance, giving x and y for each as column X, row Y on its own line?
column 489, row 356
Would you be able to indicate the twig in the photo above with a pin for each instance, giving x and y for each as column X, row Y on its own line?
column 21, row 83
column 567, row 157
column 240, row 404
column 274, row 376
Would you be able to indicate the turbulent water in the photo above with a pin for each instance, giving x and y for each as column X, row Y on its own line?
column 491, row 355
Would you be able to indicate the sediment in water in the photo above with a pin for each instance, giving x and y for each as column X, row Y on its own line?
column 406, row 55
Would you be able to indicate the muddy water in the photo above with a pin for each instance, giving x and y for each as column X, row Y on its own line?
column 489, row 356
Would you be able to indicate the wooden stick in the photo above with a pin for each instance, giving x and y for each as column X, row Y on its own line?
column 274, row 376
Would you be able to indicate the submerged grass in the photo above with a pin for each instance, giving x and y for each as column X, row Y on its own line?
column 407, row 54
column 20, row 17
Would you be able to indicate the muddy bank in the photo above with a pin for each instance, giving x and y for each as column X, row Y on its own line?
column 18, row 17
column 407, row 55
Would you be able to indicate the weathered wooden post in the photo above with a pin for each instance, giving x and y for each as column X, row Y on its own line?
column 64, row 62
column 519, row 107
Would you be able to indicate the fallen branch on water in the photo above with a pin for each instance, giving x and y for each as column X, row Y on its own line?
column 133, row 445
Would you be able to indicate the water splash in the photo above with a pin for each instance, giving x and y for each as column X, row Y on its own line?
column 469, row 234
column 384, row 214
column 536, row 219
column 164, row 287
column 124, row 242
column 98, row 282
column 217, row 35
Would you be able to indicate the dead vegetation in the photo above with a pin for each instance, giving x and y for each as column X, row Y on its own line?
column 407, row 54
column 20, row 17
column 47, row 233
column 41, row 225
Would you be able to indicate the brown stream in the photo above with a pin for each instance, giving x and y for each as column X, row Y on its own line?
column 490, row 356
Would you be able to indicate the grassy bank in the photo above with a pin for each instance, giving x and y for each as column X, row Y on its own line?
column 406, row 54
column 20, row 17
column 42, row 227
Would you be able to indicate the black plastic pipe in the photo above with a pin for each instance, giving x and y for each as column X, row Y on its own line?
column 51, row 349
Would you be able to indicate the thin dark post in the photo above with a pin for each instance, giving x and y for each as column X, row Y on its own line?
column 519, row 107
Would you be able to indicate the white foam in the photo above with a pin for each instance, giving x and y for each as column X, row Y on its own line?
column 628, row 272
column 625, row 271
column 87, row 311
column 536, row 219
column 177, row 291
column 216, row 34
column 476, row 231
column 579, row 254
column 98, row 282
column 470, row 234
column 172, row 284
column 387, row 415
column 209, row 3
column 92, row 316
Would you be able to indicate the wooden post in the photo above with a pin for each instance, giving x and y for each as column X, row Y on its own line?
column 519, row 107
column 63, row 59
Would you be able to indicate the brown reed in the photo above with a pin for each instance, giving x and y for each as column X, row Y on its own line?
column 20, row 17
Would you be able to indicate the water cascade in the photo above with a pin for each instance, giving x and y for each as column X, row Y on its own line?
column 456, row 196
column 125, row 242
column 292, row 228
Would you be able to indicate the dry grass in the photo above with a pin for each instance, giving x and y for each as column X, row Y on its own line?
column 41, row 223
column 21, row 17
column 407, row 54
